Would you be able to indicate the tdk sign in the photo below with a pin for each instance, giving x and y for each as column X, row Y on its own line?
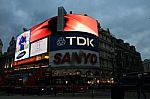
column 79, row 41
column 74, row 40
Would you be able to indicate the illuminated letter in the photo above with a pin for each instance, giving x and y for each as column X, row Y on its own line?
column 86, row 57
column 66, row 58
column 81, row 39
column 76, row 57
column 91, row 43
column 57, row 58
column 70, row 39
column 87, row 41
column 93, row 59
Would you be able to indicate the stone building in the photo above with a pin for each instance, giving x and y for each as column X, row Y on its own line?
column 116, row 56
column 105, row 53
column 1, row 46
column 127, row 59
column 146, row 65
column 7, row 58
column 10, row 53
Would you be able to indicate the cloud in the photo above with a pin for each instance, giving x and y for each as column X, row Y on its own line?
column 126, row 19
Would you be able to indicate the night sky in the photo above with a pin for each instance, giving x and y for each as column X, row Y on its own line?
column 127, row 19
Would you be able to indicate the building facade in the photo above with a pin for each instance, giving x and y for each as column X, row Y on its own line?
column 116, row 56
column 8, row 57
column 1, row 46
column 1, row 64
column 127, row 58
column 146, row 65
column 105, row 53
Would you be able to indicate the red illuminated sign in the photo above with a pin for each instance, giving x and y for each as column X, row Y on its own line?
column 59, row 58
column 32, row 59
column 73, row 22
column 40, row 31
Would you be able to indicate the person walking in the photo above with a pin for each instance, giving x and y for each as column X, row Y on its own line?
column 140, row 88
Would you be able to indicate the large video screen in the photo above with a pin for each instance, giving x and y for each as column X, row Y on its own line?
column 22, row 46
column 40, row 31
column 76, row 57
column 38, row 47
column 74, row 49
column 73, row 22
column 74, row 40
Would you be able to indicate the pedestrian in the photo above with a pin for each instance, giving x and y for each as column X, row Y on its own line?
column 140, row 88
column 117, row 90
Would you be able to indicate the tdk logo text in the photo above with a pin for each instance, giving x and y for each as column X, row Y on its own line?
column 80, row 41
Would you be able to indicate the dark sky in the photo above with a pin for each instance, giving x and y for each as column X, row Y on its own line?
column 126, row 19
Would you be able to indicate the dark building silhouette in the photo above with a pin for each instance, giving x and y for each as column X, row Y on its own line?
column 127, row 59
column 146, row 65
column 7, row 58
column 1, row 46
column 1, row 62
column 117, row 56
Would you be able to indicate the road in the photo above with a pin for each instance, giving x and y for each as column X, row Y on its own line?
column 47, row 97
column 97, row 95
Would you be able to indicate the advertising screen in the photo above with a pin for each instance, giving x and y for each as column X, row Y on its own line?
column 74, row 40
column 74, row 58
column 40, row 31
column 38, row 47
column 73, row 22
column 22, row 46
column 74, row 49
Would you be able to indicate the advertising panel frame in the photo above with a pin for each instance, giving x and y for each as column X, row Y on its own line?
column 22, row 46
column 77, row 46
column 39, row 46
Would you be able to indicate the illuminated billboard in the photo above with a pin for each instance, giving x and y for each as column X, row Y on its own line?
column 40, row 31
column 74, row 40
column 74, row 58
column 79, row 32
column 73, row 22
column 38, row 47
column 22, row 46
column 74, row 49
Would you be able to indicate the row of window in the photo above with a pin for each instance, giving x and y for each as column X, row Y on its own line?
column 105, row 63
column 105, row 54
column 104, row 37
column 105, row 45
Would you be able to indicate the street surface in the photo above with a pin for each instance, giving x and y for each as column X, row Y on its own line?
column 97, row 95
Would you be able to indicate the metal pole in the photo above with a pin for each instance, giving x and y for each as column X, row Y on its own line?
column 92, row 90
column 113, row 69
